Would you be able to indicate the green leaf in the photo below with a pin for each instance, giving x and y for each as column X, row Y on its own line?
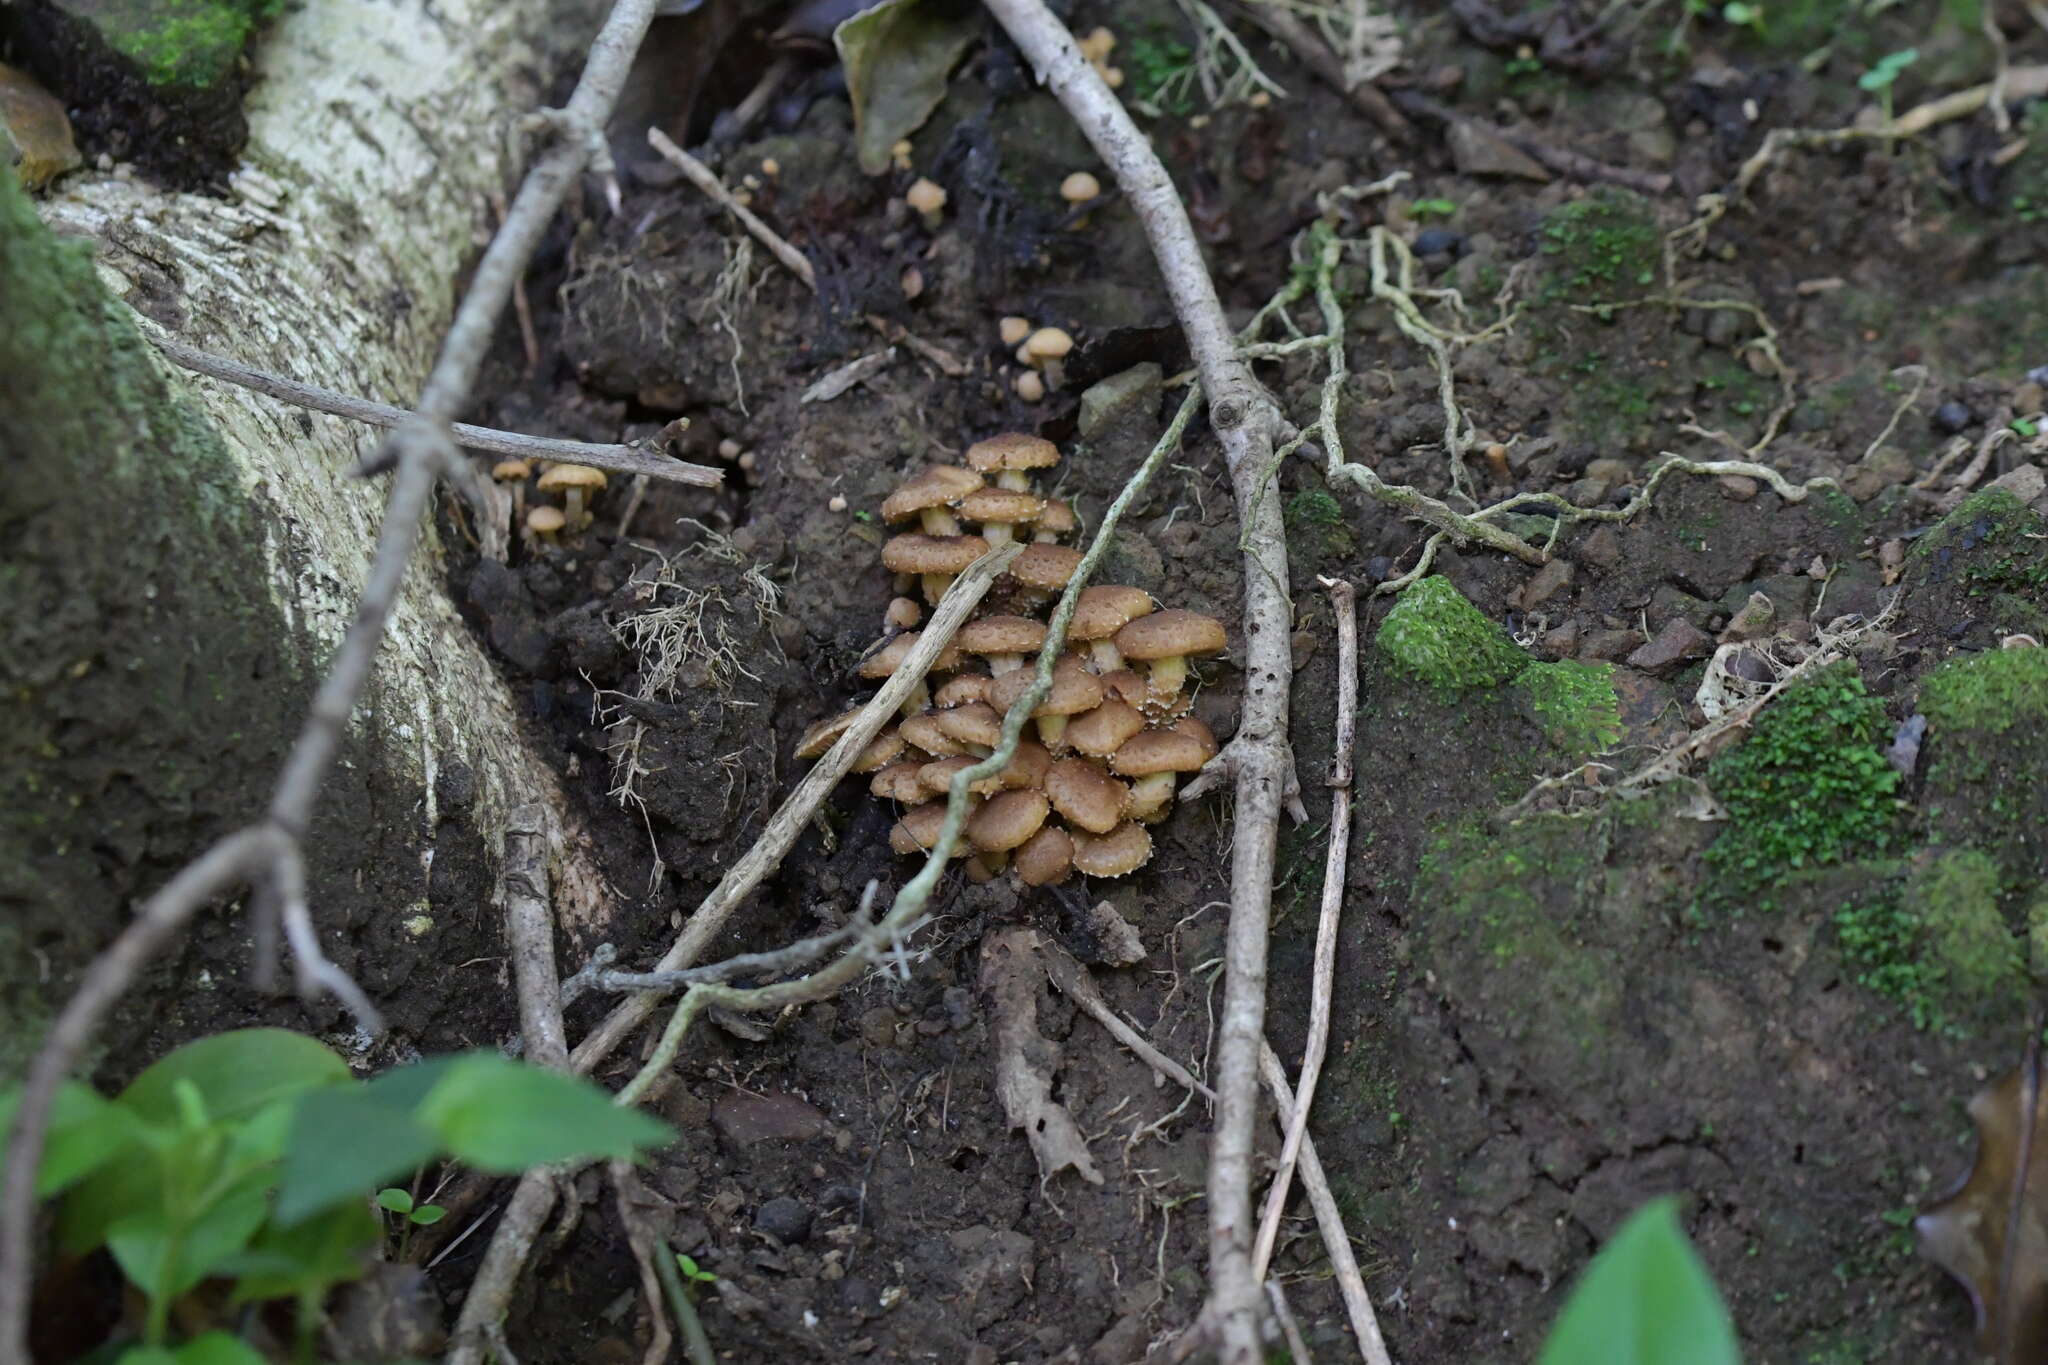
column 426, row 1215
column 85, row 1133
column 348, row 1141
column 1645, row 1300
column 897, row 57
column 396, row 1200
column 236, row 1073
column 215, row 1348
column 310, row 1257
column 165, row 1258
column 502, row 1117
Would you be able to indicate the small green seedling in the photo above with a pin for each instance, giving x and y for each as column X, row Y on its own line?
column 1880, row 79
column 411, row 1214
column 1432, row 208
column 1743, row 14
column 1645, row 1300
column 2023, row 427
column 693, row 1272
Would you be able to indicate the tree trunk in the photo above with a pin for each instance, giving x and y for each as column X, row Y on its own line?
column 182, row 557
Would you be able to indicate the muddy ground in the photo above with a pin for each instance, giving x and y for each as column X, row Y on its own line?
column 1540, row 1022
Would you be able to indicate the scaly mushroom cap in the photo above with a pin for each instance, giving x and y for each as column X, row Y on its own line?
column 903, row 613
column 936, row 777
column 918, row 830
column 1045, row 566
column 1199, row 733
column 824, row 734
column 1027, row 767
column 974, row 723
column 886, row 660
column 880, row 751
column 1126, row 686
column 923, row 731
column 1012, row 450
column 1008, row 820
column 1123, row 850
column 1106, row 609
column 1087, row 796
column 1046, row 858
column 1074, row 690
column 1160, row 751
column 563, row 476
column 958, row 691
column 1001, row 635
column 1057, row 519
column 898, row 782
column 937, row 486
column 923, row 554
column 1001, row 504
column 1171, row 634
column 1104, row 730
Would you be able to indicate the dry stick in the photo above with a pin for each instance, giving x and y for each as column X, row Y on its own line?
column 419, row 449
column 1247, row 423
column 530, row 934
column 1562, row 160
column 1344, row 604
column 1290, row 1330
column 622, row 459
column 1315, row 54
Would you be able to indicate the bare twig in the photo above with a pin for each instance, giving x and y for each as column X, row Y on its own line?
column 530, row 937
column 700, row 175
column 1344, row 604
column 1313, row 53
column 1247, row 423
column 1290, row 1330
column 622, row 459
column 598, row 976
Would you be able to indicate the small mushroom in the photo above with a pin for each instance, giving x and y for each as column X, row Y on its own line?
column 1002, row 640
column 1055, row 521
column 961, row 689
column 937, row 560
column 1102, row 731
column 936, row 777
column 1045, row 859
column 1074, row 690
column 923, row 731
column 977, row 725
column 1100, row 613
column 1000, row 511
column 1030, row 386
column 1123, row 850
column 1085, row 796
column 1005, row 821
column 917, row 830
column 1011, row 456
column 821, row 736
column 879, row 753
column 1013, row 330
column 899, row 783
column 929, row 199
column 903, row 614
column 1157, row 758
column 1042, row 570
column 545, row 523
column 1167, row 640
column 884, row 662
column 1079, row 188
column 1047, row 343
column 516, row 473
column 930, row 496
column 1126, row 687
column 578, row 484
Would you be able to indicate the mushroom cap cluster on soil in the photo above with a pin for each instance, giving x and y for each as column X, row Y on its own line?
column 1109, row 742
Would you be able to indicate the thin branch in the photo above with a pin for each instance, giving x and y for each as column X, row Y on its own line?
column 530, row 937
column 621, row 459
column 700, row 175
column 1246, row 422
column 597, row 976
column 1344, row 605
column 1315, row 54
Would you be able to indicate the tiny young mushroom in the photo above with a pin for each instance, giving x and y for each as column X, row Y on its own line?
column 516, row 473
column 1100, row 613
column 1002, row 640
column 545, row 523
column 1045, row 859
column 1085, row 796
column 1000, row 511
column 1011, row 457
column 961, row 689
column 1074, row 690
column 930, row 497
column 1157, row 758
column 1055, row 521
column 899, row 783
column 929, row 199
column 936, row 560
column 1123, row 850
column 884, row 662
column 1013, row 330
column 1042, row 569
column 903, row 614
column 1029, row 386
column 1166, row 640
column 578, row 483
column 1079, row 188
column 1101, row 732
column 1044, row 350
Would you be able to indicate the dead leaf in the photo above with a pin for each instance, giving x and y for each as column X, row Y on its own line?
column 1967, row 1234
column 1026, row 1060
column 898, row 57
column 34, row 129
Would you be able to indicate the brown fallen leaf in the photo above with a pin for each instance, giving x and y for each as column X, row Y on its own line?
column 37, row 128
column 1991, row 1233
column 1026, row 1060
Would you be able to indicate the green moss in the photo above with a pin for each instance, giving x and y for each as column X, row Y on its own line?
column 1940, row 946
column 1987, row 772
column 1315, row 521
column 1989, row 692
column 192, row 43
column 1436, row 637
column 1605, row 246
column 1808, row 788
column 1990, row 543
column 1575, row 704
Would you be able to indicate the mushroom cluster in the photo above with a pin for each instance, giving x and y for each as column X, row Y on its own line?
column 578, row 484
column 1108, row 744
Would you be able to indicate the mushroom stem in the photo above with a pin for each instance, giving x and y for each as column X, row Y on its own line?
column 1053, row 730
column 1104, row 652
column 1168, row 674
column 938, row 521
column 996, row 533
column 572, row 509
column 935, row 585
column 1015, row 479
column 1045, row 537
column 999, row 664
column 1151, row 796
column 920, row 699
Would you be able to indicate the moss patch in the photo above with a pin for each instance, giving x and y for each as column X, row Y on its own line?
column 1605, row 246
column 1940, row 946
column 1575, row 704
column 1808, row 788
column 1987, row 759
column 1436, row 637
column 191, row 43
column 1991, row 544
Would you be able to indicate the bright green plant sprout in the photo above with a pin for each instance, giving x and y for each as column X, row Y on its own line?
column 1433, row 208
column 1742, row 14
column 693, row 1272
column 2022, row 427
column 1161, row 71
column 1645, row 1300
column 411, row 1214
column 1880, row 79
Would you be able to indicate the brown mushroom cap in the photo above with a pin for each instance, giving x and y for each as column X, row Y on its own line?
column 1001, row 504
column 1005, row 821
column 507, row 471
column 923, row 731
column 903, row 613
column 1160, row 751
column 1102, row 731
column 1057, row 519
column 824, row 734
column 880, row 751
column 918, row 829
column 1125, row 685
column 1001, row 635
column 1124, row 849
column 899, row 782
column 1198, row 732
column 546, row 520
column 1045, row 566
column 886, row 660
column 1048, row 343
column 1105, row 609
column 1087, row 796
column 1074, row 690
column 936, row 486
column 936, row 777
column 1028, row 766
column 1012, row 450
column 923, row 554
column 570, row 476
column 974, row 723
column 1171, row 634
column 958, row 691
column 1046, row 858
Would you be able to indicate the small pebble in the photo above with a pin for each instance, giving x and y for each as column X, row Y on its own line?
column 1439, row 241
column 1952, row 417
column 785, row 1219
column 1904, row 752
